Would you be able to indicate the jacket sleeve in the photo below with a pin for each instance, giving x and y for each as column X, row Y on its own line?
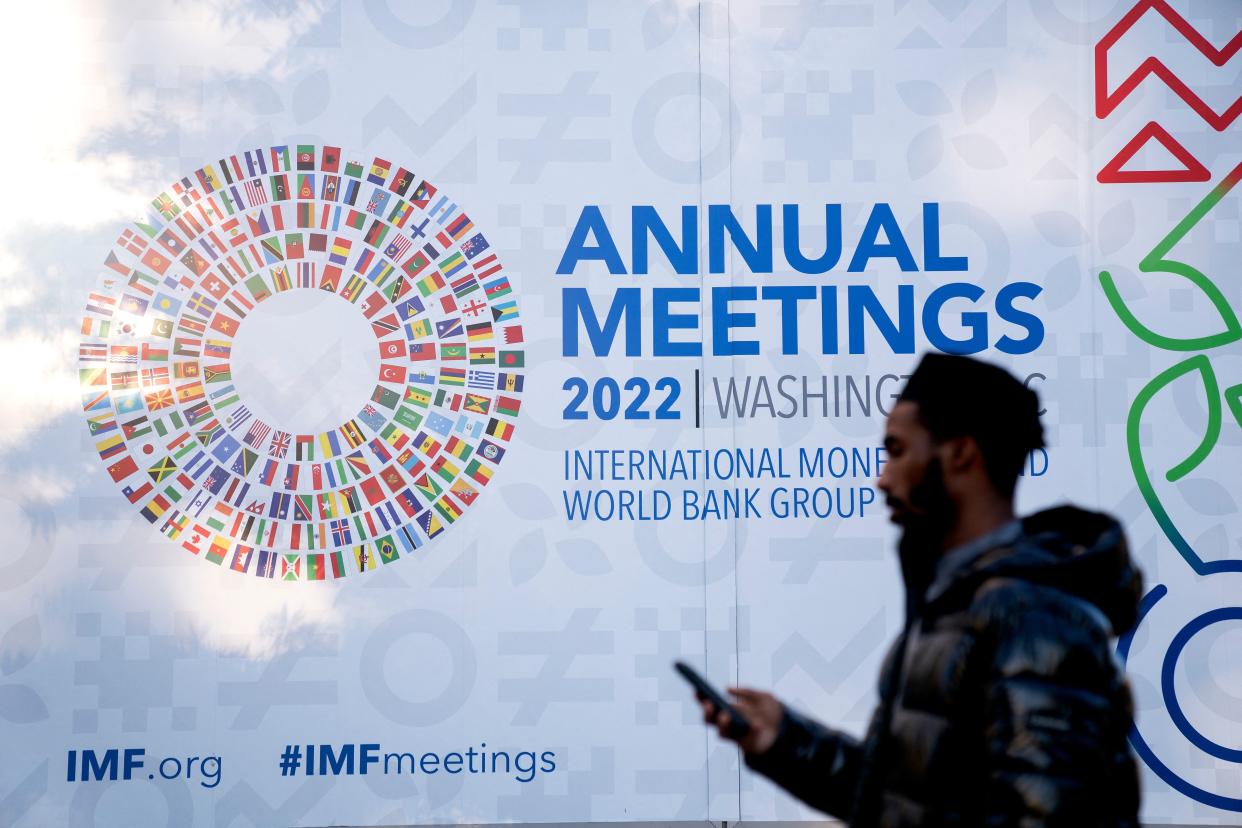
column 1055, row 714
column 818, row 765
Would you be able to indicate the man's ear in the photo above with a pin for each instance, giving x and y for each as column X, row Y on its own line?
column 959, row 454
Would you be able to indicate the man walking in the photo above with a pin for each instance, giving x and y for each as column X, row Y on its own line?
column 999, row 703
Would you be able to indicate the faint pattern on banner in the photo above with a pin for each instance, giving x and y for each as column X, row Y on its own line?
column 301, row 676
column 672, row 149
column 685, row 787
column 668, row 634
column 791, row 22
column 20, row 701
column 580, row 107
column 85, row 811
column 803, row 556
column 134, row 673
column 954, row 24
column 429, row 31
column 717, row 560
column 582, row 785
column 98, row 520
column 255, row 806
column 375, row 670
column 554, row 653
column 439, row 121
column 549, row 27
column 812, row 121
column 31, row 540
column 22, row 797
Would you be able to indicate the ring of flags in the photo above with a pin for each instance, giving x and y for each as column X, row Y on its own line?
column 178, row 439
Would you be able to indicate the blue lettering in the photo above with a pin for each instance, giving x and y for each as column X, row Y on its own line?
column 788, row 296
column 591, row 220
column 832, row 240
column 1033, row 324
column 684, row 259
column 723, row 321
column 900, row 337
column 576, row 303
column 932, row 260
column 663, row 321
column 758, row 256
column 976, row 321
column 869, row 246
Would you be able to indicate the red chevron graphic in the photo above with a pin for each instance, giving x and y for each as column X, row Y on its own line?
column 1192, row 168
column 1105, row 103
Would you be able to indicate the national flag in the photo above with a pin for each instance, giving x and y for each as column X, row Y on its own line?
column 452, row 376
column 385, row 397
column 492, row 452
column 379, row 171
column 509, row 382
column 499, row 428
column 135, row 495
column 504, row 311
column 330, row 159
column 266, row 565
column 464, row 491
column 479, row 378
column 372, row 417
column 429, row 284
column 478, row 472
column 497, row 287
column 417, row 396
column 439, row 423
column 458, row 448
column 410, row 419
column 279, row 445
column 449, row 510
column 482, row 355
column 418, row 329
column 513, row 359
column 429, row 523
column 508, row 406
column 315, row 570
column 123, row 468
column 464, row 285
column 385, row 325
column 224, row 324
column 477, row 403
column 449, row 328
column 444, row 468
column 391, row 373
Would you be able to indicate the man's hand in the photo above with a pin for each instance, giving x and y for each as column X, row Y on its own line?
column 762, row 710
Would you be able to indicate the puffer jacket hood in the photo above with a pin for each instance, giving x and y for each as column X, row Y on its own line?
column 1074, row 550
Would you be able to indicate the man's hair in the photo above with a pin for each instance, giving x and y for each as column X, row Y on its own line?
column 962, row 397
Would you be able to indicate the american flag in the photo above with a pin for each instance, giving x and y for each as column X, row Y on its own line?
column 257, row 434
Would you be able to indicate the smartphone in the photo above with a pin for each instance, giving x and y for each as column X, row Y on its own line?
column 738, row 726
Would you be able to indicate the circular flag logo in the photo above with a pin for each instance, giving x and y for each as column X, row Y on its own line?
column 302, row 366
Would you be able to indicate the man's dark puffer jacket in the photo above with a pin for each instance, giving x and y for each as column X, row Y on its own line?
column 1000, row 702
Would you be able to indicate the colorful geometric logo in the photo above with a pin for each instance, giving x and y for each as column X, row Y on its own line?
column 1196, row 365
column 1108, row 99
column 176, row 433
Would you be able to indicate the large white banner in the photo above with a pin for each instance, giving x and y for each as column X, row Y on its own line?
column 395, row 392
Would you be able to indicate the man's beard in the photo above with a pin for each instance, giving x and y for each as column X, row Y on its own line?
column 927, row 519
